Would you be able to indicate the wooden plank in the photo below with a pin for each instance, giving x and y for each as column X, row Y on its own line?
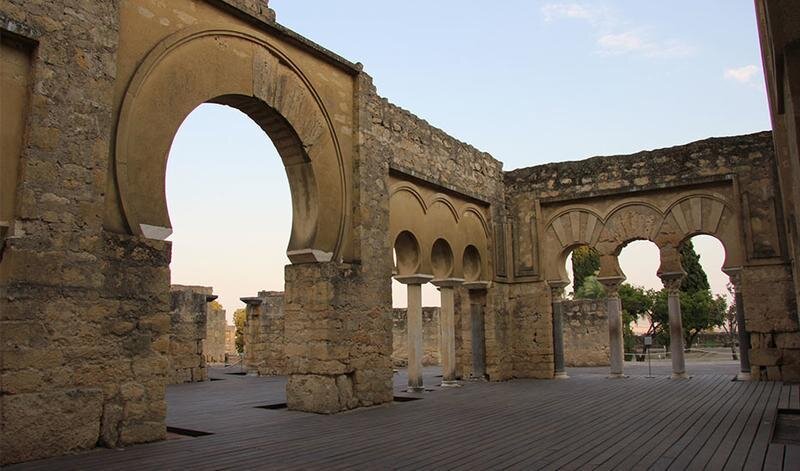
column 775, row 452
column 741, row 449
column 760, row 443
column 671, row 414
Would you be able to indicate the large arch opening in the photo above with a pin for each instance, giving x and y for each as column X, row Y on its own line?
column 232, row 213
column 708, row 308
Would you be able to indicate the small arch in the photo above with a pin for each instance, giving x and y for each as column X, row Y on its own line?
column 472, row 263
column 471, row 209
column 405, row 187
column 441, row 259
column 406, row 250
column 440, row 198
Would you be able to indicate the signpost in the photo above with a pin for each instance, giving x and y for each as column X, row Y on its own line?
column 648, row 342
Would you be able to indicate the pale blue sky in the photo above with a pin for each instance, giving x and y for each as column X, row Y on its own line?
column 527, row 81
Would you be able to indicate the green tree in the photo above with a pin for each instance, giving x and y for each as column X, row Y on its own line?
column 637, row 302
column 590, row 289
column 699, row 311
column 585, row 263
column 239, row 318
column 696, row 279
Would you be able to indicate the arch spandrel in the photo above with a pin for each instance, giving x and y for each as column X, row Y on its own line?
column 235, row 68
column 703, row 214
column 629, row 222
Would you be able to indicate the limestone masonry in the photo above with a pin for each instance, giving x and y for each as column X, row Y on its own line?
column 91, row 331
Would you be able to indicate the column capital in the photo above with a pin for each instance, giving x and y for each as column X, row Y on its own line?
column 557, row 289
column 476, row 285
column 672, row 281
column 448, row 282
column 735, row 275
column 252, row 301
column 417, row 279
column 611, row 284
column 211, row 297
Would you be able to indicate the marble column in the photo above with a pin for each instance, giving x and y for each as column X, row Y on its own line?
column 448, row 329
column 741, row 327
column 556, row 297
column 615, row 339
column 672, row 283
column 414, row 324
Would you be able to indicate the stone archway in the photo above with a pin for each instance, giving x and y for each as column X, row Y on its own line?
column 234, row 68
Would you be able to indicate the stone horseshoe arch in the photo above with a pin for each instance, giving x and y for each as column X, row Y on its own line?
column 239, row 69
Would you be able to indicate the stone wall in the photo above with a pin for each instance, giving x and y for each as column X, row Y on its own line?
column 230, row 340
column 431, row 347
column 725, row 187
column 214, row 343
column 84, row 314
column 264, row 335
column 585, row 325
column 187, row 360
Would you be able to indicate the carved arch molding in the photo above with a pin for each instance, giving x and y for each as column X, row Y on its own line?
column 235, row 68
column 667, row 226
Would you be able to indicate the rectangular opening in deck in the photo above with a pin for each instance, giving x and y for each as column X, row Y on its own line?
column 787, row 427
column 280, row 405
column 185, row 432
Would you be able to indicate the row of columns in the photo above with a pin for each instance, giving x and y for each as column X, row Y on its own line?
column 447, row 324
column 672, row 283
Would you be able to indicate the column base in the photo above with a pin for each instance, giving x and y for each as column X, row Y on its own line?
column 561, row 375
column 450, row 384
column 743, row 376
column 416, row 390
column 679, row 376
column 616, row 376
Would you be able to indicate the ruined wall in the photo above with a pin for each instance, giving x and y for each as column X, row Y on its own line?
column 725, row 187
column 84, row 314
column 585, row 325
column 264, row 335
column 230, row 340
column 431, row 337
column 214, row 343
column 187, row 360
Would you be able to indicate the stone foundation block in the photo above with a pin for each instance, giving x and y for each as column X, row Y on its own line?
column 321, row 394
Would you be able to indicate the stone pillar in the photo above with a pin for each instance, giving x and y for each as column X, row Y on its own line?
column 250, row 360
column 477, row 295
column 448, row 330
column 744, row 337
column 414, row 322
column 557, row 296
column 615, row 340
column 672, row 282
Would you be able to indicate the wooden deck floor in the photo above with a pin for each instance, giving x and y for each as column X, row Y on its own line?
column 585, row 422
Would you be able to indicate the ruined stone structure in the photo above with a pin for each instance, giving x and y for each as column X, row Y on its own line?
column 230, row 340
column 214, row 343
column 431, row 338
column 585, row 324
column 264, row 334
column 92, row 95
column 187, row 338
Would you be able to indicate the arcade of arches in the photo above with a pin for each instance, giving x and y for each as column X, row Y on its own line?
column 90, row 111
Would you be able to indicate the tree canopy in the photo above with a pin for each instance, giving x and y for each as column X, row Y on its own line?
column 239, row 318
column 700, row 310
column 585, row 263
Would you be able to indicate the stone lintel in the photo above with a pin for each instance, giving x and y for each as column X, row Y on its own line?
column 252, row 301
column 448, row 282
column 418, row 279
column 476, row 285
